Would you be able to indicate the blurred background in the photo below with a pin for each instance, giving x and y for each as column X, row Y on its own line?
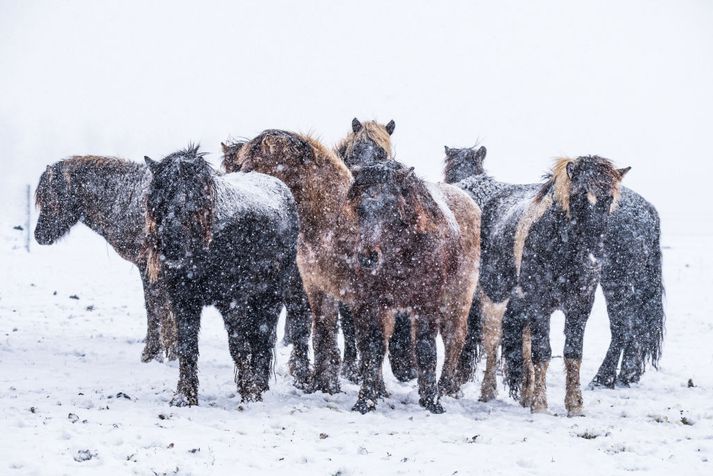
column 631, row 81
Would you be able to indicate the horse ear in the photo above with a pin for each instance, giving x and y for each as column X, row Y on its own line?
column 356, row 125
column 447, row 149
column 224, row 147
column 623, row 172
column 480, row 153
column 152, row 164
column 390, row 127
column 570, row 170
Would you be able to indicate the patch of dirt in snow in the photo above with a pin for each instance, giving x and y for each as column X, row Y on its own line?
column 75, row 398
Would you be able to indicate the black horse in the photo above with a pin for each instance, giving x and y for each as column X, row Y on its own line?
column 542, row 250
column 108, row 195
column 228, row 241
column 631, row 277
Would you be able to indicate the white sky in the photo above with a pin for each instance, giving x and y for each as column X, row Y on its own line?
column 629, row 80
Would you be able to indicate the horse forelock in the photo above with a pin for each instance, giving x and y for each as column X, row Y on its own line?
column 600, row 174
column 184, row 171
column 371, row 130
column 459, row 164
column 55, row 177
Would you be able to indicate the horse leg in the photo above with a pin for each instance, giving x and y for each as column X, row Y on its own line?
column 469, row 356
column 167, row 320
column 350, row 369
column 372, row 347
column 528, row 381
column 575, row 323
column 401, row 349
column 262, row 343
column 299, row 321
column 152, row 348
column 425, row 331
column 539, row 326
column 188, row 321
column 616, row 304
column 453, row 331
column 492, row 333
column 238, row 323
column 326, row 351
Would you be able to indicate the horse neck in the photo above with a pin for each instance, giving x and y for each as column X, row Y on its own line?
column 112, row 203
column 320, row 194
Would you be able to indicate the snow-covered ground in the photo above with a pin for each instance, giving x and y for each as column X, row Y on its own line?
column 72, row 387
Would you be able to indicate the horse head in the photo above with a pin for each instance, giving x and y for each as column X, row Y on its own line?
column 58, row 205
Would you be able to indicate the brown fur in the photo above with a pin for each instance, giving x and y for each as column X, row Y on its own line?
column 439, row 292
column 492, row 331
column 372, row 129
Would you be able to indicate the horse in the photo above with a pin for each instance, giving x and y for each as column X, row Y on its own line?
column 107, row 194
column 543, row 247
column 228, row 241
column 631, row 280
column 417, row 251
column 368, row 143
column 329, row 261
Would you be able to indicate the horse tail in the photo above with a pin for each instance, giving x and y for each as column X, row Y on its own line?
column 513, row 329
column 473, row 342
column 652, row 309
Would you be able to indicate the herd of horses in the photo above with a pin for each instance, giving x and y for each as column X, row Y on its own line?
column 350, row 237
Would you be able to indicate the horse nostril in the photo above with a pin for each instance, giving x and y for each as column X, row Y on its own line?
column 369, row 259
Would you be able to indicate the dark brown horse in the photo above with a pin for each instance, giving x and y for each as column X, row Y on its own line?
column 108, row 195
column 334, row 255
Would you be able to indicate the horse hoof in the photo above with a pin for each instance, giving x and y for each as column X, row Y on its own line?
column 404, row 375
column 575, row 412
column 486, row 397
column 364, row 406
column 601, row 382
column 326, row 385
column 432, row 406
column 182, row 400
column 251, row 397
column 151, row 353
column 350, row 371
column 171, row 355
column 539, row 409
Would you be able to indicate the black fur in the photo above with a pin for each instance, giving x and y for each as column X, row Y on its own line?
column 631, row 277
column 561, row 261
column 218, row 244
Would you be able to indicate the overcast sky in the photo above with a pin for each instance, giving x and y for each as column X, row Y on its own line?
column 629, row 80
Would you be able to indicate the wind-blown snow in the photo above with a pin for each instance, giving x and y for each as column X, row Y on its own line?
column 630, row 81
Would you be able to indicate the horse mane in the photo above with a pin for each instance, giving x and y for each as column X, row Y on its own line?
column 394, row 171
column 373, row 130
column 231, row 149
column 199, row 178
column 461, row 166
column 559, row 183
column 72, row 166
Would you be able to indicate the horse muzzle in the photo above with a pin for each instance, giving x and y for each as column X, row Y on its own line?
column 369, row 259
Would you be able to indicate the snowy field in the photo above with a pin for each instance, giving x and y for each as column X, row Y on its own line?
column 72, row 387
column 630, row 81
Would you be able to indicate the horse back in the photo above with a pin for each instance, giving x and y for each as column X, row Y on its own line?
column 499, row 234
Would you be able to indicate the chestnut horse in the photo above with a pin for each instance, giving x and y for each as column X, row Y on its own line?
column 340, row 261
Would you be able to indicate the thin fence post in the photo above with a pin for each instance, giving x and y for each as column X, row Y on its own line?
column 28, row 221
